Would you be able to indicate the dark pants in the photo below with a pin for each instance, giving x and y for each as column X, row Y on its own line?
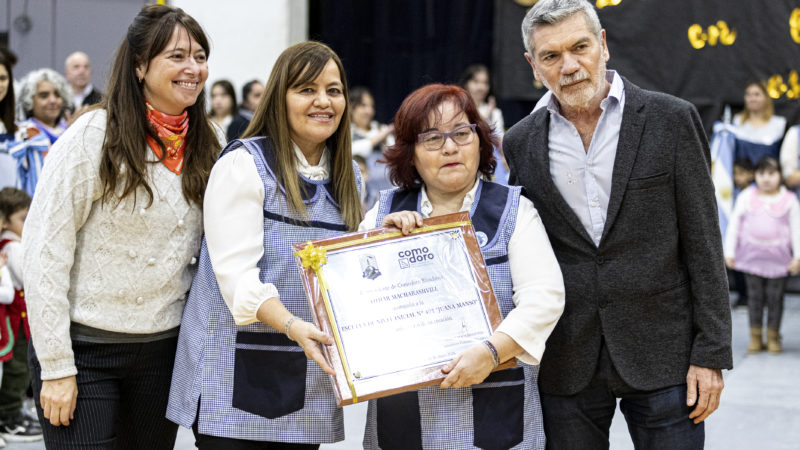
column 765, row 292
column 656, row 419
column 740, row 286
column 16, row 378
column 122, row 397
column 206, row 442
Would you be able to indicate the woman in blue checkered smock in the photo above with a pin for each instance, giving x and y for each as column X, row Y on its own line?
column 449, row 146
column 249, row 365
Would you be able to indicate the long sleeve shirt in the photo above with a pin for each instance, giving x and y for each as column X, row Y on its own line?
column 6, row 287
column 234, row 227
column 121, row 267
column 790, row 151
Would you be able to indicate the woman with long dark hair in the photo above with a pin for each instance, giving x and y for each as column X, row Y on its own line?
column 223, row 103
column 8, row 166
column 249, row 364
column 111, row 241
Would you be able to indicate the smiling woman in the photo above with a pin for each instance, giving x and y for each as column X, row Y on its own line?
column 315, row 109
column 117, row 221
column 173, row 79
column 44, row 96
column 261, row 377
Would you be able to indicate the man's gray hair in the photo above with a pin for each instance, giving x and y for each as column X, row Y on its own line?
column 27, row 89
column 551, row 12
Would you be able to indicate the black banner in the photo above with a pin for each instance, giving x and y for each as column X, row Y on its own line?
column 702, row 51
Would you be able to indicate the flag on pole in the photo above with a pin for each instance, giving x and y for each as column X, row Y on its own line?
column 723, row 144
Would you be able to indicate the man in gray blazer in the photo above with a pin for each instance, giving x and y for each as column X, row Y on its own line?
column 620, row 177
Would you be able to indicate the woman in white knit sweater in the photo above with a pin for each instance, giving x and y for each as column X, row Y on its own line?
column 111, row 239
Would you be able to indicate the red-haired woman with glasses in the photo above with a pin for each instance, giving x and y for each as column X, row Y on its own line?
column 441, row 161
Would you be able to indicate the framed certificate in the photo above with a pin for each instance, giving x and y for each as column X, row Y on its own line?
column 398, row 307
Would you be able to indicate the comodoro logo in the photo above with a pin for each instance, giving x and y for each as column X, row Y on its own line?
column 414, row 256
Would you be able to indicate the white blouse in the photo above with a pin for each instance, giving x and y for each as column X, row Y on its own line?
column 767, row 134
column 537, row 282
column 234, row 226
column 789, row 151
column 6, row 287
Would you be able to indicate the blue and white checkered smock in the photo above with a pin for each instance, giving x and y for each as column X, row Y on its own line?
column 504, row 411
column 252, row 382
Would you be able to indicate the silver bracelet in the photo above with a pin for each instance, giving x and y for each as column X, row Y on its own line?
column 493, row 351
column 289, row 324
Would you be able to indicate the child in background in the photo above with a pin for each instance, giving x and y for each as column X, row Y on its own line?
column 14, row 426
column 743, row 175
column 763, row 241
column 6, row 297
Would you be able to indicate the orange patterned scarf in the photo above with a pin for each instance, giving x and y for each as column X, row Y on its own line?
column 171, row 130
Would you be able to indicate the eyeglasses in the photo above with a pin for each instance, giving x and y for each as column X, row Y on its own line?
column 434, row 140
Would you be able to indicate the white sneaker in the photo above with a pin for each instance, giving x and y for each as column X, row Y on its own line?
column 20, row 429
column 2, row 443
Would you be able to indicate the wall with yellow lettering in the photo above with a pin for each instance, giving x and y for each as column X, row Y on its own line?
column 703, row 51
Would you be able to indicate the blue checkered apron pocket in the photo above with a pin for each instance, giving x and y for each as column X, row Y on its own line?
column 498, row 406
column 269, row 376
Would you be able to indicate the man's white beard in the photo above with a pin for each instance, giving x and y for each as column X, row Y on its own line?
column 580, row 97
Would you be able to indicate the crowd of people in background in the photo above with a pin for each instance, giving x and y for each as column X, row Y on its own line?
column 208, row 193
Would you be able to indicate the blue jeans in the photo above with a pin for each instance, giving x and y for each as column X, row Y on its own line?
column 656, row 419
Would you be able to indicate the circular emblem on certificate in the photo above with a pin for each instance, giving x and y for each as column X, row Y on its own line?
column 482, row 238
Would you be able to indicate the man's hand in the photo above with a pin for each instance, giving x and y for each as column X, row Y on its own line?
column 709, row 384
column 58, row 399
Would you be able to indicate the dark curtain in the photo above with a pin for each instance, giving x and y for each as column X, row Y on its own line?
column 394, row 47
column 649, row 42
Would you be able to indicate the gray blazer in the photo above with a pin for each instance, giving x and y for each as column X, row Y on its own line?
column 656, row 287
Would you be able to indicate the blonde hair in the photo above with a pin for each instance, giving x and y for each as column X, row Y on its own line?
column 769, row 109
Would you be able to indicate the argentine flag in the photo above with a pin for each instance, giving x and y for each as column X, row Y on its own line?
column 723, row 144
column 29, row 155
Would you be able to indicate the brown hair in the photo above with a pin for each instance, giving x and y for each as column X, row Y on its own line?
column 298, row 65
column 768, row 164
column 127, row 128
column 412, row 119
column 229, row 91
column 13, row 200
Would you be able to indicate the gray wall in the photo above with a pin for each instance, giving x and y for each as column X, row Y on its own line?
column 60, row 27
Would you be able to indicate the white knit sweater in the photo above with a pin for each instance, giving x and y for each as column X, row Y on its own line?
column 119, row 267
